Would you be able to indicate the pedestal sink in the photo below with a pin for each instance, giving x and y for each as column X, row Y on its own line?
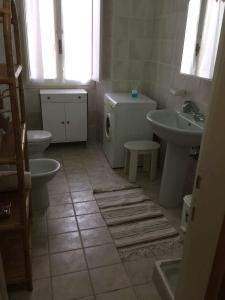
column 181, row 132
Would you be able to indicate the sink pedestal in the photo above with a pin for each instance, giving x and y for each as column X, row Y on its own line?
column 174, row 174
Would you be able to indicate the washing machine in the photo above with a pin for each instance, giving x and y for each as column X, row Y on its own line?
column 124, row 120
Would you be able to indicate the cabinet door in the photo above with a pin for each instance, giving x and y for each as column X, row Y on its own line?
column 76, row 122
column 53, row 115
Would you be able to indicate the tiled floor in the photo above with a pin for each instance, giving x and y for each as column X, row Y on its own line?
column 73, row 255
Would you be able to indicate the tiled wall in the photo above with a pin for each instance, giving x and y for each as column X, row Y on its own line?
column 132, row 44
column 169, row 29
column 142, row 48
column 127, row 48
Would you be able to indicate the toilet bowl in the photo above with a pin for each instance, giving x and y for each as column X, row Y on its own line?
column 38, row 141
column 42, row 171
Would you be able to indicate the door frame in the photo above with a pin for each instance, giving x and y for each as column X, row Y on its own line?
column 202, row 241
column 216, row 286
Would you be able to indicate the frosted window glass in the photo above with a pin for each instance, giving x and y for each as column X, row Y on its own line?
column 188, row 58
column 77, row 39
column 203, row 30
column 41, row 39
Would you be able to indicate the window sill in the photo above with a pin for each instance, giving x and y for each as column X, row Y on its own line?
column 63, row 85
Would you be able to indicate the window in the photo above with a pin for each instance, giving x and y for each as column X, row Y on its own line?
column 63, row 40
column 202, row 36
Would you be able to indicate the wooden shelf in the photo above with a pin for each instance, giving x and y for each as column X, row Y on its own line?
column 7, row 148
column 4, row 75
column 4, row 11
column 15, row 230
column 13, row 222
column 14, row 259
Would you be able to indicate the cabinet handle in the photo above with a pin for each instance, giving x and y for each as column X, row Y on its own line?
column 68, row 122
column 62, row 122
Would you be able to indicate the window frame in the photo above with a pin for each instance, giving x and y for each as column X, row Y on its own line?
column 59, row 81
column 198, row 44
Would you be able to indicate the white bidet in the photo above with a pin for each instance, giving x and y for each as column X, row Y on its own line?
column 42, row 171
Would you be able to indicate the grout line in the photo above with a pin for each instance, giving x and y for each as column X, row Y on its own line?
column 88, row 269
column 79, row 231
column 50, row 269
column 85, row 258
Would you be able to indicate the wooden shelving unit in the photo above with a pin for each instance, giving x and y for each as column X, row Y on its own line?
column 15, row 229
column 7, row 150
column 3, row 72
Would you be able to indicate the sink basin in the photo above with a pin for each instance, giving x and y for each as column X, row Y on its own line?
column 175, row 127
column 181, row 132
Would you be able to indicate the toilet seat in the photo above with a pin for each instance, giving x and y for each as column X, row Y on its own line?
column 38, row 136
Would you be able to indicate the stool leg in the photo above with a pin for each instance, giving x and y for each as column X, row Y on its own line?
column 146, row 163
column 133, row 166
column 154, row 159
column 126, row 162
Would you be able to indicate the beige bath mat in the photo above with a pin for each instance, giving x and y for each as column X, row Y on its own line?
column 136, row 223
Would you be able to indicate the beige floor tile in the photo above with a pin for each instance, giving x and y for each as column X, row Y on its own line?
column 39, row 224
column 90, row 221
column 60, row 199
column 62, row 211
column 74, row 176
column 71, row 286
column 58, row 189
column 140, row 271
column 57, row 181
column 95, row 237
column 123, row 294
column 62, row 225
column 111, row 281
column 146, row 292
column 73, row 179
column 41, row 291
column 109, row 278
column 71, row 171
column 80, row 186
column 82, row 196
column 87, row 298
column 86, row 208
column 40, row 267
column 67, row 262
column 64, row 242
column 39, row 246
column 73, row 163
column 102, row 256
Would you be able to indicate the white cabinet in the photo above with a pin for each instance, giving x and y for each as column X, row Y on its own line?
column 53, row 116
column 64, row 114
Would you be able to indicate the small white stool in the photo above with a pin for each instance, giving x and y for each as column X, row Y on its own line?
column 150, row 151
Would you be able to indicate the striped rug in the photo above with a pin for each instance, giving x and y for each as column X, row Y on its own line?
column 136, row 223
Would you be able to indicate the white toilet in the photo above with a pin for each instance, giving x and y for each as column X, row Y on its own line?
column 38, row 142
column 42, row 171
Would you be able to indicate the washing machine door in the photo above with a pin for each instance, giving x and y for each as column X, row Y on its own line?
column 108, row 127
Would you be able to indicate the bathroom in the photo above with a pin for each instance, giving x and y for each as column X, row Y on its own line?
column 74, row 253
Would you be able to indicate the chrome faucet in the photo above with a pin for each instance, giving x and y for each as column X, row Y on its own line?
column 189, row 107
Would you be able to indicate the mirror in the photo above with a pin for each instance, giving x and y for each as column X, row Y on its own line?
column 203, row 28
